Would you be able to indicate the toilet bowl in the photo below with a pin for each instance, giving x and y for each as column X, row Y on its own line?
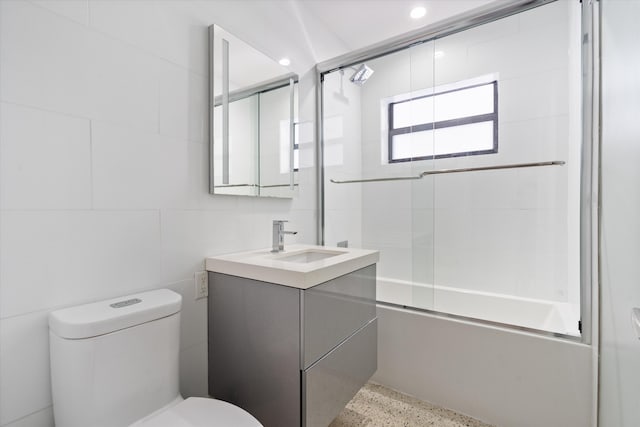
column 115, row 363
column 199, row 412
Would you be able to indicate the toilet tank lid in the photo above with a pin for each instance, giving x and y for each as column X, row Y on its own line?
column 99, row 318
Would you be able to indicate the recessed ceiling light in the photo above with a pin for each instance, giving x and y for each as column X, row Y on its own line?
column 418, row 12
column 284, row 62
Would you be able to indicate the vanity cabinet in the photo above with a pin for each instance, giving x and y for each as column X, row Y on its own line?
column 290, row 356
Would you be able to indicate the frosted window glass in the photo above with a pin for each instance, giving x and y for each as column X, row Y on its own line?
column 449, row 140
column 447, row 106
column 464, row 103
column 411, row 113
column 465, row 138
column 416, row 144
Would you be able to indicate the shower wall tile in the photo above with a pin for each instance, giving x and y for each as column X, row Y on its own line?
column 382, row 195
column 304, row 222
column 384, row 228
column 515, row 252
column 343, row 157
column 345, row 224
column 24, row 366
column 539, row 138
column 45, row 160
column 513, row 55
column 553, row 16
column 422, row 191
column 531, row 97
column 395, row 262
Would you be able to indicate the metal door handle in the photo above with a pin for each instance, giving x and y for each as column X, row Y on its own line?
column 635, row 320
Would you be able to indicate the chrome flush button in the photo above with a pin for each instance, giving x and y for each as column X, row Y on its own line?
column 125, row 303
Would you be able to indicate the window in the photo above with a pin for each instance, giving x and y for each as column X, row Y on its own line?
column 457, row 122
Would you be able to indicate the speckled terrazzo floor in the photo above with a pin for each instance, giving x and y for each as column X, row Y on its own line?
column 378, row 406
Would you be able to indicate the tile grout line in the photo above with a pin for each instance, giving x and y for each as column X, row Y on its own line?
column 24, row 417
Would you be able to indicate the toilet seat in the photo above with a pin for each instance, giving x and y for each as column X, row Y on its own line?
column 201, row 412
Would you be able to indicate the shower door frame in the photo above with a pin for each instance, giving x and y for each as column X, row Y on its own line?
column 590, row 144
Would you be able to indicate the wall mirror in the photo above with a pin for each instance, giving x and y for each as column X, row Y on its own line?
column 253, row 112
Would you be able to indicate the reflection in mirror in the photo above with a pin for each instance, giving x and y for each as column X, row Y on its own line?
column 254, row 115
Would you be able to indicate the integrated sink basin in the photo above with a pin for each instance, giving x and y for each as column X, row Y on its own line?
column 309, row 255
column 298, row 266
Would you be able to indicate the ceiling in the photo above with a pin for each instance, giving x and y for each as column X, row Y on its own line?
column 359, row 23
column 312, row 31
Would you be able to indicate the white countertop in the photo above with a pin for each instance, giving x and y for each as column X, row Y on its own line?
column 265, row 266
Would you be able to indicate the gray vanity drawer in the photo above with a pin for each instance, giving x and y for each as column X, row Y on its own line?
column 336, row 309
column 329, row 384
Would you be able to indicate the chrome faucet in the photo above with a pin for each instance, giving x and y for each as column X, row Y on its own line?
column 278, row 235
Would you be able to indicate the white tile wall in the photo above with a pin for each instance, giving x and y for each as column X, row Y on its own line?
column 183, row 103
column 59, row 177
column 620, row 251
column 44, row 59
column 104, row 173
column 41, row 418
column 24, row 366
column 130, row 22
column 58, row 258
column 123, row 84
column 78, row 10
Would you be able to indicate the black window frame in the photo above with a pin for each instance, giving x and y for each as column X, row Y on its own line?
column 445, row 124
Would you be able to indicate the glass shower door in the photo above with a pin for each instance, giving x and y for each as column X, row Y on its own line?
column 506, row 227
column 368, row 135
column 459, row 159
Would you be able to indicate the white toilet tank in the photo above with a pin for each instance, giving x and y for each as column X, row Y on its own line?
column 114, row 362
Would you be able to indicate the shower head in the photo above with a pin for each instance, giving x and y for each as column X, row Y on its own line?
column 361, row 75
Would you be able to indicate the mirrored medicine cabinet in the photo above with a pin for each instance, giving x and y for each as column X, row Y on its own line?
column 253, row 113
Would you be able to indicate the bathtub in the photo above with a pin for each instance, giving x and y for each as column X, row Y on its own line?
column 555, row 317
column 510, row 377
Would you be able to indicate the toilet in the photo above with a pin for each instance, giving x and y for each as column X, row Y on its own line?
column 115, row 363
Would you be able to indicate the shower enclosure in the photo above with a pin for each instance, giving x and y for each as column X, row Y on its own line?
column 460, row 155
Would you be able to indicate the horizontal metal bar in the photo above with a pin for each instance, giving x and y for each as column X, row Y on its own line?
column 444, row 171
column 253, row 185
column 454, row 24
